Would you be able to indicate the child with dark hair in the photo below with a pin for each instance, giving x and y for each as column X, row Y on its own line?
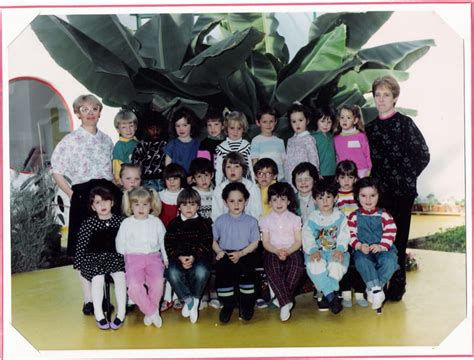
column 175, row 177
column 281, row 236
column 96, row 255
column 215, row 125
column 188, row 243
column 304, row 177
column 236, row 236
column 150, row 152
column 325, row 122
column 325, row 240
column 234, row 168
column 201, row 171
column 184, row 147
column 266, row 173
column 373, row 233
column 267, row 145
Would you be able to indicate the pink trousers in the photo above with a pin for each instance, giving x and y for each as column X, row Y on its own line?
column 145, row 269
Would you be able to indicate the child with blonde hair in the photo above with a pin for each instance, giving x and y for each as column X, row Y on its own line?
column 126, row 124
column 350, row 140
column 141, row 240
column 235, row 126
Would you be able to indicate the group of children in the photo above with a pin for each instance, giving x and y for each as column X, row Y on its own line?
column 193, row 206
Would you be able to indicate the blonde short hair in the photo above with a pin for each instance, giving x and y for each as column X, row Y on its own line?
column 82, row 99
column 125, row 116
column 236, row 116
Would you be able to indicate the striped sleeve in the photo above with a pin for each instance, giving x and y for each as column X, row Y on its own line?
column 352, row 223
column 389, row 230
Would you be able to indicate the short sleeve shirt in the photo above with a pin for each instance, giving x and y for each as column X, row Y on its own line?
column 235, row 233
column 281, row 228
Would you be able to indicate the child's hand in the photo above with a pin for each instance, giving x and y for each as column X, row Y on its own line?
column 364, row 248
column 220, row 255
column 186, row 261
column 315, row 256
column 282, row 254
column 234, row 256
column 166, row 263
column 375, row 248
column 338, row 255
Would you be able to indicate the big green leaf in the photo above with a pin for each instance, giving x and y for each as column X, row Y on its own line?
column 397, row 56
column 360, row 26
column 165, row 39
column 197, row 44
column 262, row 68
column 364, row 79
column 219, row 60
column 94, row 66
column 351, row 96
column 112, row 35
column 168, row 105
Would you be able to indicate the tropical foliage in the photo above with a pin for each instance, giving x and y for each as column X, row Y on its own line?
column 234, row 60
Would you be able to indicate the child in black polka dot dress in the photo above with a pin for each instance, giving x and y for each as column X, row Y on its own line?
column 96, row 255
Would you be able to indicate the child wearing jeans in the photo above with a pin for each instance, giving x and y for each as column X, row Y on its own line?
column 281, row 236
column 126, row 124
column 236, row 236
column 235, row 126
column 96, row 255
column 373, row 232
column 325, row 240
column 267, row 145
column 184, row 147
column 188, row 243
column 215, row 126
column 141, row 240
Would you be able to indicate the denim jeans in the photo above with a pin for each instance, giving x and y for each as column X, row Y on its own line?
column 188, row 282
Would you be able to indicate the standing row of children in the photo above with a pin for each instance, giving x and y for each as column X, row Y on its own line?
column 185, row 226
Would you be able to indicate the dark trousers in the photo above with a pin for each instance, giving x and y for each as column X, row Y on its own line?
column 80, row 208
column 241, row 276
column 284, row 276
column 400, row 208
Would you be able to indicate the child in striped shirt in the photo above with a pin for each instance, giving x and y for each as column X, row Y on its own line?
column 372, row 232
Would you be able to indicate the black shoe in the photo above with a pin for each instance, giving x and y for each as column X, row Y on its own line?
column 225, row 314
column 323, row 305
column 246, row 313
column 335, row 305
column 88, row 309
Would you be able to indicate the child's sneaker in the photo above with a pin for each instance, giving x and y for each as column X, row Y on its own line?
column 323, row 304
column 215, row 303
column 147, row 320
column 378, row 299
column 225, row 314
column 261, row 304
column 370, row 296
column 166, row 305
column 275, row 302
column 285, row 311
column 335, row 305
column 359, row 298
column 88, row 308
column 185, row 311
column 156, row 319
column 346, row 297
column 194, row 313
column 116, row 324
column 203, row 304
column 347, row 303
column 103, row 324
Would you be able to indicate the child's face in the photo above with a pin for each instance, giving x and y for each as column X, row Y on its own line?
column 234, row 130
column 368, row 198
column 384, row 100
column 153, row 132
column 103, row 208
column 298, row 122
column 183, row 128
column 130, row 179
column 347, row 120
column 89, row 114
column 127, row 129
column 214, row 127
column 235, row 202
column 325, row 124
column 203, row 180
column 265, row 177
column 189, row 209
column 346, row 182
column 233, row 172
column 279, row 204
column 325, row 203
column 267, row 124
column 173, row 183
column 304, row 183
column 141, row 208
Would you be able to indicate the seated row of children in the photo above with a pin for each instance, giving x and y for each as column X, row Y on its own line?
column 186, row 249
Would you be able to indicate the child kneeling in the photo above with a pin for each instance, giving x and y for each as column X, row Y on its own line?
column 325, row 241
column 236, row 236
column 373, row 232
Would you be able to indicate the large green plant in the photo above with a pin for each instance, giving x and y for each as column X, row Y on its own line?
column 234, row 60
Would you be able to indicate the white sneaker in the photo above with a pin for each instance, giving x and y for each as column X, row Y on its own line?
column 285, row 311
column 193, row 313
column 370, row 296
column 147, row 320
column 275, row 302
column 203, row 304
column 378, row 299
column 215, row 303
column 185, row 311
column 156, row 319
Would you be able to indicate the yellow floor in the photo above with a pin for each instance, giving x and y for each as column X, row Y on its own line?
column 47, row 304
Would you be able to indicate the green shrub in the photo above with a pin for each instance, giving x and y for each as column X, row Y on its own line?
column 451, row 240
